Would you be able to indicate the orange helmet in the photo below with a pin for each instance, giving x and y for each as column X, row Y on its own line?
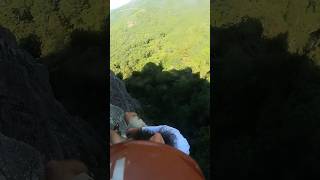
column 146, row 160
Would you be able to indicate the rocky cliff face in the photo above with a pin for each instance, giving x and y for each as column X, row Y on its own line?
column 34, row 126
column 120, row 97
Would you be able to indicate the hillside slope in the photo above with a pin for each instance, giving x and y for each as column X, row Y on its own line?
column 173, row 33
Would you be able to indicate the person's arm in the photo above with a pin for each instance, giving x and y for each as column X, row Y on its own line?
column 153, row 129
column 180, row 142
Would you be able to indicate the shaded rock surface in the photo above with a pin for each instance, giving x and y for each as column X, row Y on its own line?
column 19, row 160
column 120, row 97
column 34, row 126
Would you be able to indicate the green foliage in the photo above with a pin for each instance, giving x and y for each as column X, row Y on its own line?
column 174, row 33
column 201, row 151
column 178, row 98
column 298, row 18
column 52, row 21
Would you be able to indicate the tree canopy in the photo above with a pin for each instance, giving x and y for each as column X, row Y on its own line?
column 52, row 21
column 173, row 33
column 298, row 18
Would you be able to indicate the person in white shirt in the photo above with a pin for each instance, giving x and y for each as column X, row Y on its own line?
column 170, row 135
column 138, row 130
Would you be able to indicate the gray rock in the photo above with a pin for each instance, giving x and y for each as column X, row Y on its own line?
column 19, row 161
column 120, row 97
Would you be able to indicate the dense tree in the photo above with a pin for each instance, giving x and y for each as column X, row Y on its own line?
column 298, row 18
column 52, row 21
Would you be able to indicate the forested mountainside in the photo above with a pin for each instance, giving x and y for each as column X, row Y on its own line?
column 299, row 19
column 173, row 33
column 44, row 26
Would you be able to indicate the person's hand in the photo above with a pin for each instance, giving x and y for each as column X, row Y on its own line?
column 157, row 137
column 132, row 131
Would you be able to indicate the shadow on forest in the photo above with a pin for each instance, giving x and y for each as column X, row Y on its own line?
column 265, row 106
column 177, row 98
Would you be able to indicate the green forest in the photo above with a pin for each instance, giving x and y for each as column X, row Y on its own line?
column 173, row 33
column 266, row 89
column 51, row 22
